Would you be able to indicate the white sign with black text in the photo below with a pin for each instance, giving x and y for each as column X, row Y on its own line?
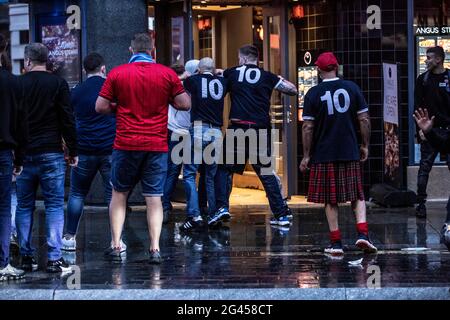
column 390, row 104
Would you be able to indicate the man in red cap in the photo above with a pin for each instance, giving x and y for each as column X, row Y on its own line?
column 330, row 148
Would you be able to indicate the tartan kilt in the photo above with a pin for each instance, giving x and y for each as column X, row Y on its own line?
column 335, row 182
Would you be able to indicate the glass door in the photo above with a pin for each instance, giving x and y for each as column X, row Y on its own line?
column 276, row 60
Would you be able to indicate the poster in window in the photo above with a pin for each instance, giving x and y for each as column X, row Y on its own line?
column 64, row 52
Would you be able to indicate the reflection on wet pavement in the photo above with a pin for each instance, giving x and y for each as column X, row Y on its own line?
column 249, row 253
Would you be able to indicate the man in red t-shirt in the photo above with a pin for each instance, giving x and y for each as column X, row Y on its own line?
column 140, row 92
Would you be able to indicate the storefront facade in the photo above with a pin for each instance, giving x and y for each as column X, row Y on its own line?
column 290, row 34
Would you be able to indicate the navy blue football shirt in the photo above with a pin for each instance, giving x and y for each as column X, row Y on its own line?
column 334, row 106
column 251, row 89
column 207, row 95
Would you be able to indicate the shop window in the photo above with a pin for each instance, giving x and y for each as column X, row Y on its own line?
column 205, row 36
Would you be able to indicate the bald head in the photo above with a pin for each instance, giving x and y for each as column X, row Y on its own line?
column 206, row 65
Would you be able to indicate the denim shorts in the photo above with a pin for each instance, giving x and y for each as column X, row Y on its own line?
column 130, row 167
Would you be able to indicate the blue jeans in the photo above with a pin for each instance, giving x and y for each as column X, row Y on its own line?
column 173, row 171
column 80, row 182
column 13, row 208
column 48, row 171
column 6, row 169
column 202, row 137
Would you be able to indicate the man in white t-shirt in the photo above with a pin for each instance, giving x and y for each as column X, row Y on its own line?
column 179, row 124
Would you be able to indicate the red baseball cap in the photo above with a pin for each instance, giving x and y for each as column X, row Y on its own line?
column 327, row 61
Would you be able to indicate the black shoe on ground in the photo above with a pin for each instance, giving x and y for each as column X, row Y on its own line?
column 154, row 257
column 364, row 244
column 421, row 211
column 335, row 249
column 192, row 224
column 29, row 263
column 54, row 266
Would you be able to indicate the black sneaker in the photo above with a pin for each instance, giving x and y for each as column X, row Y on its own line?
column 364, row 244
column 335, row 249
column 60, row 265
column 421, row 211
column 220, row 215
column 155, row 257
column 192, row 223
column 29, row 263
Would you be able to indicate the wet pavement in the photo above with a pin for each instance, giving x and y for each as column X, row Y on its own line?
column 248, row 253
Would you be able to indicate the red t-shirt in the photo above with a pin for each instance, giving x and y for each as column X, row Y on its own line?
column 142, row 91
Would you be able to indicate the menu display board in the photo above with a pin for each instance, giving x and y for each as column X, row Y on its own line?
column 307, row 78
column 425, row 42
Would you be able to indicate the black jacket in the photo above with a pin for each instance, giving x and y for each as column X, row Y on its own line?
column 13, row 118
column 51, row 118
column 439, row 139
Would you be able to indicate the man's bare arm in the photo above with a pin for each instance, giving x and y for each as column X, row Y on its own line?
column 286, row 87
column 364, row 125
column 307, row 137
column 103, row 106
column 182, row 102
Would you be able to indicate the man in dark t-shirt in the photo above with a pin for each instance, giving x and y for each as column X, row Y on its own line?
column 207, row 92
column 250, row 89
column 331, row 113
column 432, row 92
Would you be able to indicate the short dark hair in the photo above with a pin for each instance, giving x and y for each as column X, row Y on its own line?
column 438, row 51
column 36, row 52
column 141, row 43
column 178, row 68
column 249, row 51
column 93, row 62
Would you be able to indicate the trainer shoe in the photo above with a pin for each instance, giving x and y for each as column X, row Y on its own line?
column 192, row 223
column 335, row 249
column 69, row 243
column 220, row 215
column 155, row 257
column 14, row 243
column 364, row 244
column 29, row 263
column 11, row 273
column 116, row 252
column 60, row 265
column 421, row 211
column 280, row 221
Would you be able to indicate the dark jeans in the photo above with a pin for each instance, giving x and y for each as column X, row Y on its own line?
column 270, row 181
column 47, row 170
column 173, row 171
column 6, row 169
column 80, row 182
column 428, row 155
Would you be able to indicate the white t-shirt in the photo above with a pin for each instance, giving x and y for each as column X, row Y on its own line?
column 179, row 121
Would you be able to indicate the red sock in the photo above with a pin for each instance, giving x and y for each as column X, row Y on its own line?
column 335, row 236
column 363, row 228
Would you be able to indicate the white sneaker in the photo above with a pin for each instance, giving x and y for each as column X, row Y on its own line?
column 69, row 243
column 11, row 273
